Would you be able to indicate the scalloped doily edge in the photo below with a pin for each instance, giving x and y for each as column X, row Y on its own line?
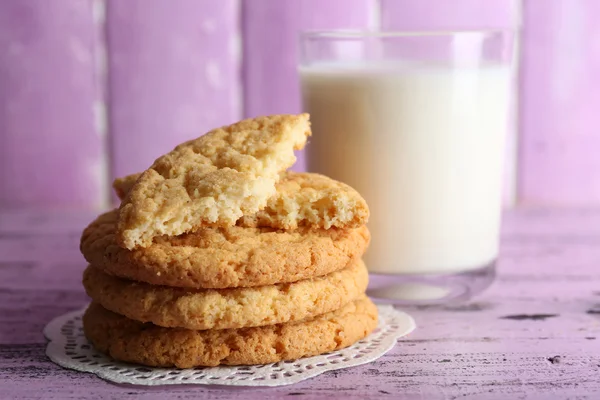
column 55, row 350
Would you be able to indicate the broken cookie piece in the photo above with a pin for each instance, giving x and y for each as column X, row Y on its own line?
column 301, row 199
column 213, row 180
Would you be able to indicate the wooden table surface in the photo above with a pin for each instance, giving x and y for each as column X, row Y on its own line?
column 534, row 334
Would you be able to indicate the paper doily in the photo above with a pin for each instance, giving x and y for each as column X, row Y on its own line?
column 69, row 348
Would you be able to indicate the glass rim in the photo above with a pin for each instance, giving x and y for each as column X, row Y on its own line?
column 360, row 34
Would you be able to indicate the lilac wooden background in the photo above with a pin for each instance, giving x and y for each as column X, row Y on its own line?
column 50, row 151
column 93, row 89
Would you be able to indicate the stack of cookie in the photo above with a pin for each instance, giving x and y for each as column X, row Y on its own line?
column 218, row 255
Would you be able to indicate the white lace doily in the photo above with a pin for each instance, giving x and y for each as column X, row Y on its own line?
column 69, row 348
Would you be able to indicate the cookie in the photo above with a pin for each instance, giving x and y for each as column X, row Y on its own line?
column 122, row 186
column 132, row 341
column 308, row 199
column 215, row 258
column 213, row 179
column 302, row 199
column 226, row 308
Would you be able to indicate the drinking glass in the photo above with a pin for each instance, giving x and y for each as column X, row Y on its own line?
column 416, row 122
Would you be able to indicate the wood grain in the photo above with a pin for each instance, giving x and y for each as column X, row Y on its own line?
column 534, row 334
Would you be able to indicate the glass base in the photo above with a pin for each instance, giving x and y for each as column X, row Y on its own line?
column 430, row 289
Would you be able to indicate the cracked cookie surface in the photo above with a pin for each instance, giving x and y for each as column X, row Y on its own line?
column 301, row 199
column 147, row 344
column 226, row 308
column 212, row 180
column 224, row 257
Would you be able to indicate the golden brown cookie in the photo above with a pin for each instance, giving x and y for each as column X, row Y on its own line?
column 302, row 199
column 122, row 186
column 226, row 308
column 147, row 344
column 308, row 199
column 214, row 258
column 213, row 179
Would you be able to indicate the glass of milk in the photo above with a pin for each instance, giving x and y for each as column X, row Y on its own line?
column 416, row 122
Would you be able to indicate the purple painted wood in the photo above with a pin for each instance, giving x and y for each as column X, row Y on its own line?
column 499, row 346
column 561, row 95
column 100, row 72
column 271, row 29
column 446, row 15
column 428, row 15
column 173, row 75
column 50, row 153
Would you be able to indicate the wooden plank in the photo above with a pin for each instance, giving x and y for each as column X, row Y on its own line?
column 561, row 93
column 270, row 42
column 498, row 346
column 435, row 15
column 50, row 153
column 173, row 75
column 100, row 107
column 418, row 15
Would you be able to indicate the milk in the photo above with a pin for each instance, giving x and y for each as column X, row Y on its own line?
column 424, row 146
